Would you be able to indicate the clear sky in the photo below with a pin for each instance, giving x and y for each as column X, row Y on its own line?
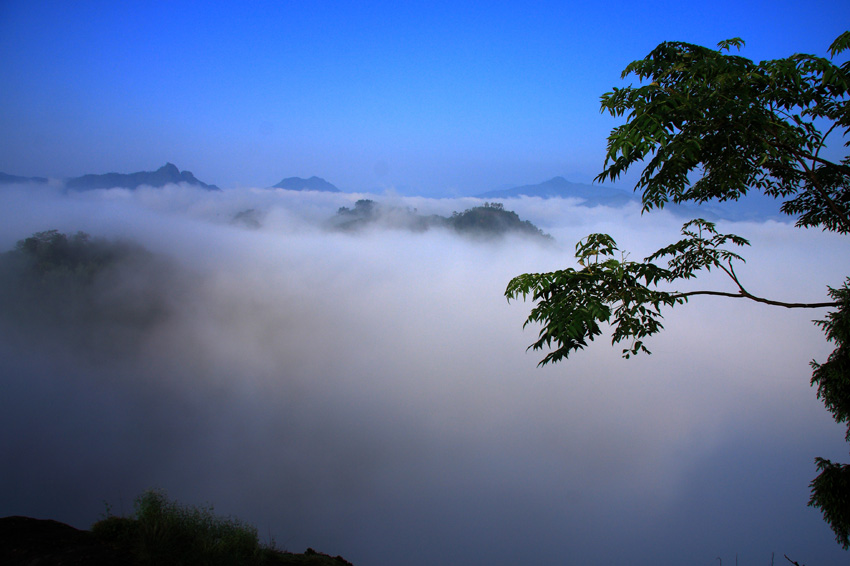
column 435, row 98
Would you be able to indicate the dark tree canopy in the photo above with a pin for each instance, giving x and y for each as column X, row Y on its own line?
column 52, row 252
column 736, row 126
column 707, row 125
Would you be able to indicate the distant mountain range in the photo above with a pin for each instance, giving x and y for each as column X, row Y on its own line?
column 311, row 184
column 7, row 179
column 755, row 207
column 168, row 174
column 558, row 187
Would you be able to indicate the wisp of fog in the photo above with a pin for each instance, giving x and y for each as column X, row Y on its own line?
column 369, row 394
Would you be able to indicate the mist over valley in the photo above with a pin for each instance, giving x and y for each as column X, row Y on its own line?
column 365, row 390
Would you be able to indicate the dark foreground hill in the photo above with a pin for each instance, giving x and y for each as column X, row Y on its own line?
column 168, row 174
column 25, row 541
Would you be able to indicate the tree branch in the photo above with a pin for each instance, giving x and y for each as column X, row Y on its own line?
column 843, row 169
column 829, row 201
column 734, row 276
column 745, row 295
column 815, row 158
column 821, row 145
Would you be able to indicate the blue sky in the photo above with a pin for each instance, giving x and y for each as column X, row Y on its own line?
column 372, row 396
column 432, row 98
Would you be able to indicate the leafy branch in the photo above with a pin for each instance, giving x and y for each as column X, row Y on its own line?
column 573, row 304
column 702, row 250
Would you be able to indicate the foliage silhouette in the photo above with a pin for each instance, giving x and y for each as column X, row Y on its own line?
column 735, row 126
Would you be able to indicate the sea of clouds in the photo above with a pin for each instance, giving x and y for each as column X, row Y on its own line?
column 371, row 395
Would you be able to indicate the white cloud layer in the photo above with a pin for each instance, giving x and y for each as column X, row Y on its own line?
column 370, row 395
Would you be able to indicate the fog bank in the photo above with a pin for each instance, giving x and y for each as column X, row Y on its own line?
column 370, row 395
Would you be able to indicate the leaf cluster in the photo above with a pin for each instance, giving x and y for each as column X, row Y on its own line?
column 831, row 494
column 831, row 488
column 701, row 249
column 734, row 125
column 572, row 304
column 832, row 378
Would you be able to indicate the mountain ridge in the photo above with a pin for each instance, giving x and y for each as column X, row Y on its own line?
column 559, row 187
column 6, row 179
column 755, row 207
column 312, row 184
column 166, row 175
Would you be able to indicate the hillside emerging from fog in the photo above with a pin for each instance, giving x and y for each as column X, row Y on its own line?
column 489, row 220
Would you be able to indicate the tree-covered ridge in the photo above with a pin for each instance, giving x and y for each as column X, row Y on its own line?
column 91, row 291
column 54, row 254
column 706, row 126
column 368, row 213
column 488, row 220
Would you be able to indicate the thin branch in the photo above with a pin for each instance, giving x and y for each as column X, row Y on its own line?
column 801, row 157
column 822, row 192
column 731, row 273
column 821, row 138
column 843, row 169
column 745, row 295
column 821, row 143
column 735, row 278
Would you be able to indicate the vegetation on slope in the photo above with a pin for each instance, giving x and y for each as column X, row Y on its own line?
column 161, row 531
column 487, row 221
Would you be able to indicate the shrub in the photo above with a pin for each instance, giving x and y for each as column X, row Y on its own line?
column 165, row 532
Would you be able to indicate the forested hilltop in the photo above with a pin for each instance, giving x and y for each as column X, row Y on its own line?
column 488, row 221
